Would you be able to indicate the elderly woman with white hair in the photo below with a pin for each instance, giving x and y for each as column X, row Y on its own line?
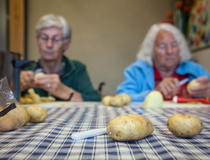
column 61, row 77
column 163, row 61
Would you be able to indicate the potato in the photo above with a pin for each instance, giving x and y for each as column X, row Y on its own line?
column 107, row 100
column 26, row 100
column 14, row 119
column 153, row 100
column 35, row 97
column 193, row 83
column 25, row 113
column 129, row 127
column 38, row 75
column 116, row 101
column 126, row 98
column 47, row 99
column 184, row 125
column 37, row 113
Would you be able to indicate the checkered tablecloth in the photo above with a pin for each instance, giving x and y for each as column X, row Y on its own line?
column 51, row 139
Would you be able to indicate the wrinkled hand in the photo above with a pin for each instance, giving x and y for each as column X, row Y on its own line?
column 77, row 97
column 26, row 80
column 169, row 87
column 50, row 83
column 203, row 90
column 53, row 84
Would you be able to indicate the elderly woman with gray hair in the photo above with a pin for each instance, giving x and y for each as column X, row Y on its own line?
column 164, row 61
column 63, row 78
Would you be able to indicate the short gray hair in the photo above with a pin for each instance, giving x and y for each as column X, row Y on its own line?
column 147, row 48
column 51, row 20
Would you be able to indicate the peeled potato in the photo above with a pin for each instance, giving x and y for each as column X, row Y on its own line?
column 47, row 99
column 14, row 119
column 193, row 83
column 37, row 113
column 38, row 75
column 184, row 125
column 26, row 100
column 35, row 97
column 117, row 101
column 129, row 127
column 153, row 100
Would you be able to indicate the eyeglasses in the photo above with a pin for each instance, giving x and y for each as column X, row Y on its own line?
column 164, row 45
column 55, row 39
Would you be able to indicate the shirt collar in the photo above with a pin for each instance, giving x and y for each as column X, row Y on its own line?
column 66, row 67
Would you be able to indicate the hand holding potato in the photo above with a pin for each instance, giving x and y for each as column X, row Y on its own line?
column 37, row 75
column 199, row 87
column 129, row 127
column 26, row 80
column 53, row 85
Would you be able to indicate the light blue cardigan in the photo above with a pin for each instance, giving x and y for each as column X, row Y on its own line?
column 139, row 78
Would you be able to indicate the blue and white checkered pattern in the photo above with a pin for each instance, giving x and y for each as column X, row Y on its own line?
column 51, row 139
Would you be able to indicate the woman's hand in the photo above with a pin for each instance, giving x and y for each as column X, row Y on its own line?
column 53, row 84
column 202, row 90
column 169, row 87
column 26, row 80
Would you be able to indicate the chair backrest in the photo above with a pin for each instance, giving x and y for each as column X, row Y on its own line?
column 100, row 88
column 6, row 67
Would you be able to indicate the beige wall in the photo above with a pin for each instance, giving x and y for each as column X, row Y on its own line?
column 106, row 33
column 203, row 57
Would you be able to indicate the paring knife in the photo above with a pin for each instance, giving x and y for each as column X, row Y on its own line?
column 183, row 81
column 89, row 133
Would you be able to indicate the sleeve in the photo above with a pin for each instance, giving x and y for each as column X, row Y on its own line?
column 193, row 69
column 85, row 87
column 134, row 84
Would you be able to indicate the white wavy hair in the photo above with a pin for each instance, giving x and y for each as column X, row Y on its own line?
column 51, row 20
column 147, row 48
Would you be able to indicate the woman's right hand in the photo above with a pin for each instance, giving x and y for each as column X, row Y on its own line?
column 26, row 80
column 169, row 87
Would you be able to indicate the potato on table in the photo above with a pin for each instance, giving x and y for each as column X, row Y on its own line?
column 125, row 98
column 129, row 127
column 116, row 101
column 14, row 119
column 153, row 100
column 37, row 113
column 184, row 125
column 107, row 100
column 33, row 98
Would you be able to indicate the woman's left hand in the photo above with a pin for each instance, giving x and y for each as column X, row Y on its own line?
column 202, row 90
column 53, row 84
